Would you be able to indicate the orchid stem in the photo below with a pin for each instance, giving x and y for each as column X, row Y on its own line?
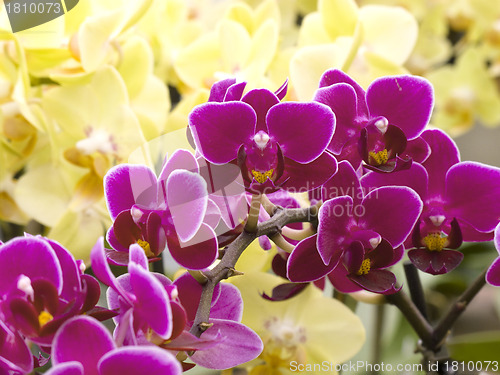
column 269, row 206
column 282, row 243
column 447, row 321
column 298, row 234
column 412, row 314
column 377, row 335
column 415, row 286
column 253, row 215
column 226, row 267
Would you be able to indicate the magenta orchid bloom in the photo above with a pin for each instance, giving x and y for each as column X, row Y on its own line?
column 380, row 126
column 357, row 230
column 172, row 210
column 41, row 287
column 460, row 203
column 155, row 311
column 276, row 145
column 84, row 347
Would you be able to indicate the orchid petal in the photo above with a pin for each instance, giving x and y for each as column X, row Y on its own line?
column 82, row 332
column 340, row 281
column 187, row 199
column 229, row 305
column 292, row 124
column 197, row 253
column 67, row 368
column 305, row 177
column 493, row 274
column 239, row 344
column 405, row 101
column 415, row 178
column 344, row 182
column 335, row 217
column 152, row 302
column 377, row 281
column 392, row 212
column 29, row 256
column 15, row 353
column 126, row 185
column 102, row 270
column 341, row 98
column 133, row 360
column 219, row 89
column 334, row 76
column 305, row 264
column 180, row 159
column 219, row 129
column 444, row 154
column 469, row 179
column 261, row 101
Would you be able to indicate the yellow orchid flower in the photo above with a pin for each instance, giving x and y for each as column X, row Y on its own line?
column 366, row 42
column 465, row 92
column 243, row 45
column 305, row 330
column 69, row 201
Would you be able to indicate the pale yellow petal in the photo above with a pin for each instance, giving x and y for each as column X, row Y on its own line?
column 151, row 106
column 95, row 37
column 390, row 32
column 242, row 14
column 235, row 45
column 196, row 64
column 136, row 64
column 333, row 331
column 79, row 231
column 255, row 259
column 262, row 52
column 312, row 31
column 267, row 10
column 339, row 17
column 309, row 63
column 43, row 193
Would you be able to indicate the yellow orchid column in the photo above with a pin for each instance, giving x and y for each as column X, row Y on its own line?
column 306, row 330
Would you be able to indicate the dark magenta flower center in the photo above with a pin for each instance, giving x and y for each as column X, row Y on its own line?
column 261, row 157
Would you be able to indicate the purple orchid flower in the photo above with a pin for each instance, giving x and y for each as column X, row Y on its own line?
column 153, row 310
column 41, row 287
column 84, row 347
column 493, row 274
column 380, row 126
column 276, row 145
column 173, row 210
column 460, row 203
column 15, row 356
column 357, row 230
